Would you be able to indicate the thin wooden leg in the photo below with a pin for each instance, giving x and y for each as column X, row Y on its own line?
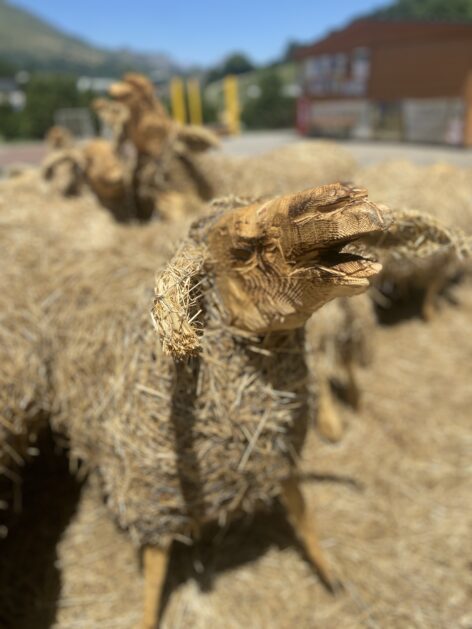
column 328, row 421
column 429, row 308
column 155, row 570
column 353, row 390
column 304, row 527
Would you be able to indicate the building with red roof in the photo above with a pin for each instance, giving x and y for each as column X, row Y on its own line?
column 389, row 80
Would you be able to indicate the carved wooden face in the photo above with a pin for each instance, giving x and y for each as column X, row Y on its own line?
column 104, row 171
column 277, row 262
column 135, row 91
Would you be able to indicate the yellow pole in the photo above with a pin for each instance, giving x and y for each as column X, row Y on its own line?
column 178, row 100
column 232, row 104
column 194, row 101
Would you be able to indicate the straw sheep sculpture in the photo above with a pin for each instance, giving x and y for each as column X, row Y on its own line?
column 417, row 251
column 114, row 117
column 155, row 167
column 421, row 256
column 97, row 166
column 340, row 340
column 443, row 191
column 59, row 137
column 176, row 172
column 204, row 421
column 176, row 443
column 63, row 169
column 147, row 120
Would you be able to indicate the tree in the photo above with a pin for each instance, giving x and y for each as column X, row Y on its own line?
column 44, row 95
column 7, row 69
column 271, row 109
column 447, row 10
column 236, row 63
column 290, row 49
column 10, row 122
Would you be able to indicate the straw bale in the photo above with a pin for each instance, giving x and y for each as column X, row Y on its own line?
column 280, row 171
column 32, row 224
column 109, row 396
column 441, row 189
column 23, row 375
column 393, row 510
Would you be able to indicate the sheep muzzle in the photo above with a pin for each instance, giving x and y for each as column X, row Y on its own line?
column 277, row 262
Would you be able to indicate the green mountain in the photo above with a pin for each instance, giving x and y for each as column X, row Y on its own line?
column 33, row 44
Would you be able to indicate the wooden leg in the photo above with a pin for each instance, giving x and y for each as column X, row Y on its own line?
column 429, row 308
column 155, row 570
column 304, row 527
column 328, row 421
column 353, row 390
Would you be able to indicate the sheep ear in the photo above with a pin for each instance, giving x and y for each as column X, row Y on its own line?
column 176, row 312
column 59, row 155
column 197, row 139
column 141, row 83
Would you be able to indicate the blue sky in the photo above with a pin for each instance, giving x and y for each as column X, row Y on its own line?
column 199, row 31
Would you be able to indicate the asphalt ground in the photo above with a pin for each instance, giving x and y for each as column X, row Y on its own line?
column 253, row 143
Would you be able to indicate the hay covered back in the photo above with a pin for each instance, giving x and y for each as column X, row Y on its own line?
column 392, row 508
column 175, row 446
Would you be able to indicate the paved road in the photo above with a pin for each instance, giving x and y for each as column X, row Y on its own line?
column 21, row 153
column 365, row 152
column 262, row 141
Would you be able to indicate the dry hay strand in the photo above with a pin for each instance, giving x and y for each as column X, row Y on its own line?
column 24, row 394
column 101, row 581
column 114, row 117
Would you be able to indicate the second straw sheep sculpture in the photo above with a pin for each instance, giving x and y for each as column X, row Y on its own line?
column 205, row 420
